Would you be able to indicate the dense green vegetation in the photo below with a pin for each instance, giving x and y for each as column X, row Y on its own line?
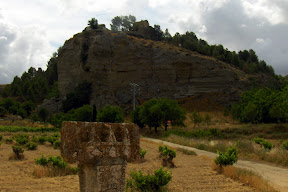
column 263, row 106
column 140, row 182
column 156, row 112
column 229, row 157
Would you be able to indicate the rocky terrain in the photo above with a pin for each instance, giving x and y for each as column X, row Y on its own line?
column 111, row 61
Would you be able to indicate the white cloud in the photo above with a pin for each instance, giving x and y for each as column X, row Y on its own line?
column 31, row 30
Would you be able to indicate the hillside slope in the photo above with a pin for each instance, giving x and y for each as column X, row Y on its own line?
column 111, row 61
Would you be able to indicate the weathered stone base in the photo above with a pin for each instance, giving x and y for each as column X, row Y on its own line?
column 105, row 176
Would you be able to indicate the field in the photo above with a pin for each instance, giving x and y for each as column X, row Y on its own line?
column 192, row 173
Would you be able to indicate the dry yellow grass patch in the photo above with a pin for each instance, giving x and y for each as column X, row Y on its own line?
column 244, row 176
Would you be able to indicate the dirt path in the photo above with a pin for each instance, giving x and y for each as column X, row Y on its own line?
column 277, row 176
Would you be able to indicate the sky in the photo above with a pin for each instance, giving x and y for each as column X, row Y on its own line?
column 31, row 30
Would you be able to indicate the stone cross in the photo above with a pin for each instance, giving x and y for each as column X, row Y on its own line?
column 102, row 151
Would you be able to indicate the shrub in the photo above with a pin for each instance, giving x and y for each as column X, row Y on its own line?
column 155, row 182
column 267, row 145
column 1, row 137
column 229, row 157
column 168, row 155
column 53, row 166
column 51, row 139
column 56, row 161
column 56, row 144
column 142, row 153
column 111, row 114
column 285, row 144
column 31, row 145
column 9, row 140
column 22, row 139
column 42, row 139
column 42, row 161
column 18, row 151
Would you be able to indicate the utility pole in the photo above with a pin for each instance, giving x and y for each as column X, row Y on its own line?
column 134, row 86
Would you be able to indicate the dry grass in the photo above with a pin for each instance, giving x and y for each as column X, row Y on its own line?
column 244, row 176
column 50, row 171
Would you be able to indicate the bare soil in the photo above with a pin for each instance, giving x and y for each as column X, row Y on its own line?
column 192, row 173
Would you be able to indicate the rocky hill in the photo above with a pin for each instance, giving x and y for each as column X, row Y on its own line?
column 111, row 61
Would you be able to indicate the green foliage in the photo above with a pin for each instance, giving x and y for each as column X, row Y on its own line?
column 55, row 161
column 155, row 182
column 93, row 23
column 31, row 145
column 17, row 151
column 9, row 140
column 122, row 23
column 229, row 157
column 3, row 111
column 43, row 114
column 166, row 152
column 285, row 144
column 84, row 113
column 79, row 97
column 56, row 144
column 196, row 118
column 41, row 161
column 142, row 153
column 267, row 145
column 54, row 91
column 135, row 117
column 42, row 139
column 155, row 112
column 112, row 114
column 21, row 139
column 207, row 119
column 262, row 106
column 4, row 128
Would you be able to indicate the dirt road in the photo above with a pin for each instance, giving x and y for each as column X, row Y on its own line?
column 277, row 176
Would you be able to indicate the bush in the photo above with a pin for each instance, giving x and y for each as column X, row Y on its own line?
column 31, row 145
column 56, row 161
column 168, row 155
column 22, row 139
column 9, row 140
column 42, row 139
column 1, row 136
column 267, row 145
column 285, row 144
column 142, row 153
column 228, row 158
column 51, row 139
column 18, row 151
column 56, row 144
column 111, row 114
column 141, row 182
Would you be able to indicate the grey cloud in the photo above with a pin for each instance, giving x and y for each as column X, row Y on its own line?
column 21, row 48
column 231, row 27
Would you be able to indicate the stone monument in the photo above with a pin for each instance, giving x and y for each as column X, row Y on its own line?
column 102, row 151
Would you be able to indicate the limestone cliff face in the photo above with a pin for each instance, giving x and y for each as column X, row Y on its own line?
column 111, row 61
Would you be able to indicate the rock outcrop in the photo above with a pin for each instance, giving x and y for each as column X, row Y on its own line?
column 111, row 61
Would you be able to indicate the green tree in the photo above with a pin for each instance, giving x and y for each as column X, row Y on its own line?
column 43, row 114
column 196, row 118
column 79, row 97
column 135, row 117
column 122, row 23
column 93, row 23
column 156, row 112
column 111, row 114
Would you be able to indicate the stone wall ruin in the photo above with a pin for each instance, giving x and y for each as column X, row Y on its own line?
column 102, row 151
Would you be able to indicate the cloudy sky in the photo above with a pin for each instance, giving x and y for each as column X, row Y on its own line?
column 31, row 30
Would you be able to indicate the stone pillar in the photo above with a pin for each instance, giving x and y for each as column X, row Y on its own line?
column 102, row 151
